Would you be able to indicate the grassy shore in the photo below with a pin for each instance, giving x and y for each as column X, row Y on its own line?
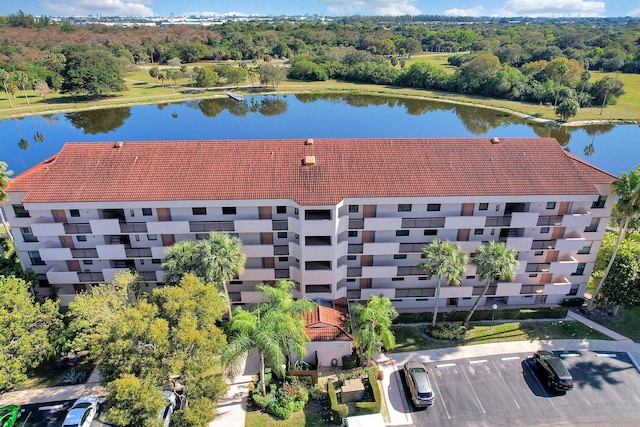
column 144, row 90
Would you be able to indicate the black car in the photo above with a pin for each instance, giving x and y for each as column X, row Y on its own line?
column 557, row 375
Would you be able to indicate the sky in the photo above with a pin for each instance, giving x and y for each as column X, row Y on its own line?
column 503, row 8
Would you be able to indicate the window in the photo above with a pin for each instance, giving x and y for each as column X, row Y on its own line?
column 20, row 212
column 87, row 261
column 533, row 275
column 199, row 211
column 283, row 259
column 147, row 212
column 422, row 278
column 318, row 288
column 156, row 261
column 34, row 256
column 351, row 257
column 353, row 208
column 483, row 206
column 478, row 231
column 551, row 205
column 74, row 212
column 430, row 232
column 599, row 204
column 544, row 230
column 433, row 207
column 402, row 232
column 404, row 207
column 317, row 214
column 228, row 210
column 281, row 209
column 27, row 234
column 317, row 265
column 397, row 279
column 586, row 249
column 282, row 234
column 81, row 238
column 152, row 237
column 580, row 269
column 400, row 256
column 538, row 253
column 351, row 280
column 353, row 233
column 593, row 227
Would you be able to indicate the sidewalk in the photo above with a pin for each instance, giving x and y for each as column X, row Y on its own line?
column 593, row 325
column 232, row 409
column 51, row 394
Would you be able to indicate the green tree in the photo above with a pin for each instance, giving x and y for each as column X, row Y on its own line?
column 206, row 77
column 567, row 108
column 494, row 261
column 275, row 327
column 372, row 325
column 607, row 90
column 4, row 77
column 91, row 71
column 627, row 188
column 22, row 79
column 31, row 332
column 134, row 402
column 622, row 287
column 153, row 72
column 446, row 261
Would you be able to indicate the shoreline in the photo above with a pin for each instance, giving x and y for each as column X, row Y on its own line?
column 190, row 94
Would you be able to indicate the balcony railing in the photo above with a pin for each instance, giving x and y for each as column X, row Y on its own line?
column 411, row 247
column 206, row 226
column 437, row 222
column 77, row 228
column 356, row 224
column 356, row 248
column 549, row 220
column 91, row 277
column 498, row 221
column 138, row 252
column 409, row 271
column 281, row 250
column 133, row 227
column 354, row 271
column 84, row 253
column 280, row 225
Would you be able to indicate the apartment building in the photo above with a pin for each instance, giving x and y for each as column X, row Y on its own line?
column 339, row 217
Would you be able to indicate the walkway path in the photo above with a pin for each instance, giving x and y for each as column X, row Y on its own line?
column 598, row 327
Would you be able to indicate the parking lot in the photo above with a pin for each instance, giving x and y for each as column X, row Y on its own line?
column 51, row 415
column 506, row 390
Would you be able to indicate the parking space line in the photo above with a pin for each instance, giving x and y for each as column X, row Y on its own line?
column 472, row 362
column 535, row 377
column 473, row 391
column 510, row 358
column 445, row 365
column 606, row 355
column 505, row 383
column 446, row 410
column 569, row 355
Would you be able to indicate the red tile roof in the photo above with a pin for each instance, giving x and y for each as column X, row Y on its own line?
column 275, row 169
column 327, row 324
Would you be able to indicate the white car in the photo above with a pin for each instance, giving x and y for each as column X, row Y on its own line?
column 82, row 412
column 170, row 406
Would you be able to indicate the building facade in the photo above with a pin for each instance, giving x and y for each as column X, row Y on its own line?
column 339, row 217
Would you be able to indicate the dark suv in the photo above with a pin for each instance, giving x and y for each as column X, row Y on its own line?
column 557, row 374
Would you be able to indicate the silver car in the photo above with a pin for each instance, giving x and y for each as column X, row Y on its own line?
column 419, row 385
column 82, row 412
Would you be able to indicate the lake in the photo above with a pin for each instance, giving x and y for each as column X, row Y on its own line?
column 27, row 141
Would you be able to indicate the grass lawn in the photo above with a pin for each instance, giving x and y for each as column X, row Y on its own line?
column 410, row 338
column 437, row 59
column 628, row 324
column 298, row 419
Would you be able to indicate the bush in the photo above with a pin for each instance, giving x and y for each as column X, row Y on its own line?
column 289, row 398
column 318, row 392
column 503, row 314
column 263, row 401
column 350, row 361
column 446, row 331
column 375, row 406
column 338, row 410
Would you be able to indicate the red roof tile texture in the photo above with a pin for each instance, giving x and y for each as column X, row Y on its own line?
column 275, row 169
column 326, row 324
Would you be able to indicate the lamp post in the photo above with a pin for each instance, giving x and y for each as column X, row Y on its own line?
column 493, row 313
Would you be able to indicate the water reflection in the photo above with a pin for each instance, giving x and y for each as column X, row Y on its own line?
column 99, row 121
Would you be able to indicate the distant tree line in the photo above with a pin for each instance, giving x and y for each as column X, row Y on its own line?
column 533, row 60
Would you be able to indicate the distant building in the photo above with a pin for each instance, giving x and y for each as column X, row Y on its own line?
column 339, row 217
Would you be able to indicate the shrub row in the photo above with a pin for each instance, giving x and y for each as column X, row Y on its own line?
column 502, row 314
column 446, row 331
column 338, row 410
column 374, row 407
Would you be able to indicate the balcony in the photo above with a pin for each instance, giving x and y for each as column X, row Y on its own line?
column 550, row 220
column 208, row 226
column 250, row 226
column 260, row 251
column 46, row 227
column 168, row 227
column 458, row 222
column 576, row 220
column 105, row 226
column 111, row 251
column 436, row 222
column 84, row 253
column 55, row 254
column 133, row 227
column 148, row 276
column 138, row 252
column 83, row 228
column 356, row 224
column 280, row 225
column 498, row 221
column 524, row 219
column 381, row 248
column 96, row 277
column 58, row 275
column 380, row 271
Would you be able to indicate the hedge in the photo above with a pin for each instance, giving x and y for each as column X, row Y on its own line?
column 371, row 407
column 339, row 410
column 502, row 314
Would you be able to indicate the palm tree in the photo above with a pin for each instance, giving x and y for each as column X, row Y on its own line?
column 180, row 259
column 223, row 260
column 494, row 261
column 627, row 188
column 444, row 260
column 608, row 83
column 4, row 181
column 584, row 78
column 4, row 77
column 275, row 328
column 562, row 69
column 22, row 79
column 372, row 324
